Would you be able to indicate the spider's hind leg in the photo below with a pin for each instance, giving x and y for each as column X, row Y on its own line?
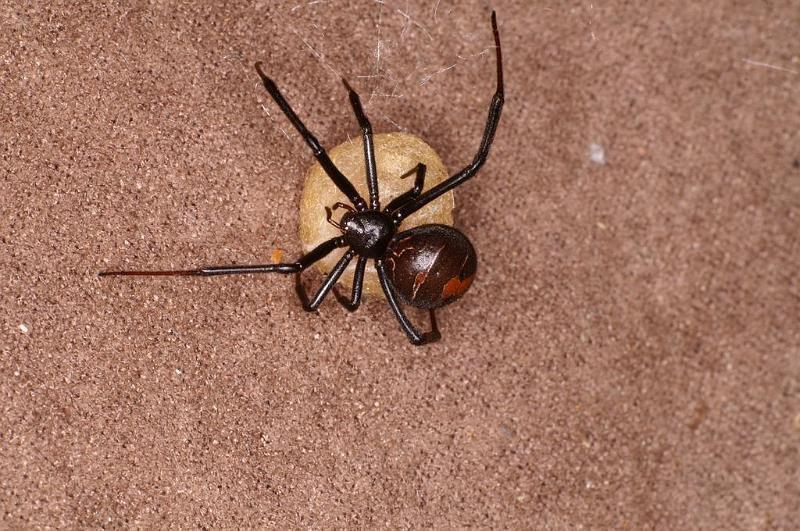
column 415, row 336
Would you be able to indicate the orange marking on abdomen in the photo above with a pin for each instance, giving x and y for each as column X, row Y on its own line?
column 419, row 280
column 277, row 254
column 456, row 287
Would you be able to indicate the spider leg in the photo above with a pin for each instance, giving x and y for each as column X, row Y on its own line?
column 327, row 284
column 413, row 334
column 486, row 142
column 369, row 147
column 324, row 160
column 317, row 253
column 358, row 282
column 402, row 199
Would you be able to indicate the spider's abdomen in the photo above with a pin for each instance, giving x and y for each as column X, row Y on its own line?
column 430, row 265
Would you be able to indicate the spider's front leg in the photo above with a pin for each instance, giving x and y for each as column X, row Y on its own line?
column 318, row 253
column 369, row 146
column 416, row 337
column 492, row 120
column 341, row 182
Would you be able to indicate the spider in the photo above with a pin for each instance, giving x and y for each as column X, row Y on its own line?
column 426, row 267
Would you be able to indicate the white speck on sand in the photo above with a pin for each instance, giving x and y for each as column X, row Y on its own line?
column 597, row 153
column 23, row 328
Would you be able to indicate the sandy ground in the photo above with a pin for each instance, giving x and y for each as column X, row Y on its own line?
column 628, row 357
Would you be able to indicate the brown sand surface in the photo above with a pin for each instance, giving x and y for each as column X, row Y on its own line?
column 628, row 357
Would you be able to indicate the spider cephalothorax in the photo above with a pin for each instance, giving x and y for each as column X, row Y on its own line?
column 368, row 233
column 427, row 267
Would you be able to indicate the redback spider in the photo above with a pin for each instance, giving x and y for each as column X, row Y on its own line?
column 427, row 267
